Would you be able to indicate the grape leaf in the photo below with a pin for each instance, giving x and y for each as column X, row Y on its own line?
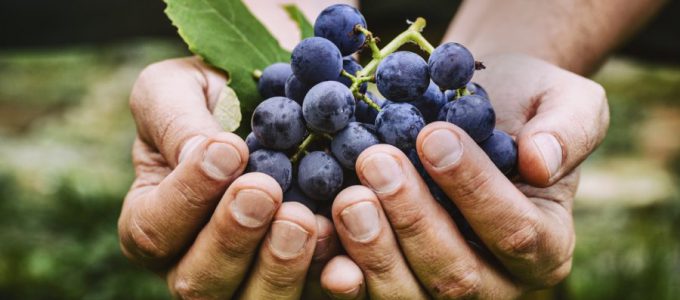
column 227, row 111
column 306, row 28
column 227, row 35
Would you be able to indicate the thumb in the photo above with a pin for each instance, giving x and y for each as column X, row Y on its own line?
column 568, row 126
column 169, row 103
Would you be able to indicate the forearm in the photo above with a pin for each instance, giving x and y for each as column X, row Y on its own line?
column 573, row 34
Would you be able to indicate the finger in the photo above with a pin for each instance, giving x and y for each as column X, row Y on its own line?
column 219, row 258
column 342, row 279
column 327, row 247
column 568, row 125
column 158, row 222
column 435, row 249
column 169, row 103
column 285, row 255
column 534, row 244
column 367, row 238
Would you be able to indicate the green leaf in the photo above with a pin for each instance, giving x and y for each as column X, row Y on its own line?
column 227, row 35
column 306, row 28
column 227, row 111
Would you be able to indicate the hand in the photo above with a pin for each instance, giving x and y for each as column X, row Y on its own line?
column 191, row 216
column 407, row 245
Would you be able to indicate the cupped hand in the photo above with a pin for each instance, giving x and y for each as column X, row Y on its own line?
column 409, row 247
column 192, row 217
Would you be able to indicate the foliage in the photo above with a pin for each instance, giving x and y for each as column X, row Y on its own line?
column 306, row 29
column 226, row 35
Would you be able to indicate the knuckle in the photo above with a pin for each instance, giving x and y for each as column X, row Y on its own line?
column 462, row 283
column 183, row 288
column 142, row 243
column 234, row 247
column 471, row 184
column 279, row 280
column 189, row 194
column 558, row 274
column 522, row 243
column 410, row 223
column 379, row 264
column 553, row 276
column 144, row 79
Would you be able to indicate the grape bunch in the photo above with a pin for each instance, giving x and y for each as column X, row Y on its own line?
column 317, row 115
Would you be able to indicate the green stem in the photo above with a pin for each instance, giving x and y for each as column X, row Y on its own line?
column 370, row 40
column 257, row 74
column 370, row 102
column 303, row 147
column 462, row 92
column 412, row 34
column 348, row 75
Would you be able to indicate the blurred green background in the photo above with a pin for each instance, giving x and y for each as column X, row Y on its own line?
column 66, row 131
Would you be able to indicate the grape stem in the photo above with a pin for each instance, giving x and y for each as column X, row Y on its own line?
column 303, row 147
column 462, row 92
column 411, row 35
column 370, row 40
column 370, row 102
column 257, row 74
column 367, row 74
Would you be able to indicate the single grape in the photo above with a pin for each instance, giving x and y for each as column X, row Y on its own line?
column 502, row 150
column 253, row 144
column 320, row 176
column 441, row 116
column 365, row 113
column 352, row 67
column 336, row 23
column 430, row 102
column 315, row 60
column 295, row 194
column 328, row 107
column 351, row 57
column 278, row 123
column 473, row 88
column 273, row 163
column 398, row 124
column 476, row 89
column 272, row 83
column 296, row 89
column 451, row 66
column 473, row 114
column 402, row 76
column 351, row 141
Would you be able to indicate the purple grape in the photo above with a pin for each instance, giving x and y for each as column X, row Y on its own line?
column 272, row 83
column 336, row 23
column 451, row 66
column 315, row 60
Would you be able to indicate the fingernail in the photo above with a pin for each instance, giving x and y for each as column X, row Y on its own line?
column 550, row 150
column 287, row 239
column 189, row 147
column 252, row 208
column 442, row 148
column 382, row 172
column 221, row 160
column 361, row 220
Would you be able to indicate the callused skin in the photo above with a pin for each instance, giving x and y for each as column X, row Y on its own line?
column 526, row 225
column 549, row 153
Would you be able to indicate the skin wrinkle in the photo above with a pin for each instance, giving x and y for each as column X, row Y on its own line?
column 556, row 201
